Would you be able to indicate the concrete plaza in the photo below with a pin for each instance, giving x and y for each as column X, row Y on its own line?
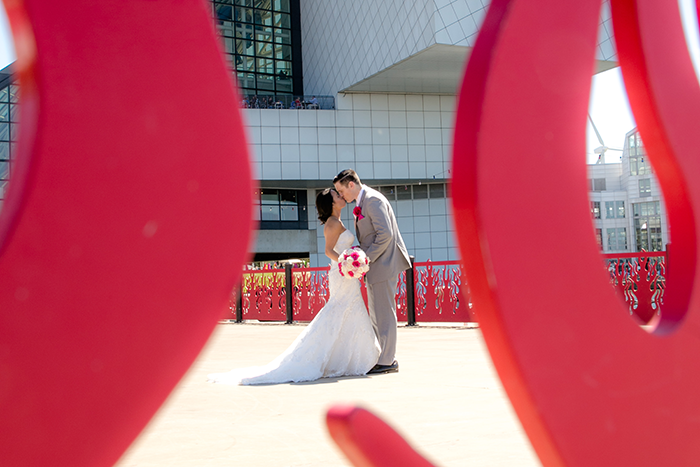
column 446, row 401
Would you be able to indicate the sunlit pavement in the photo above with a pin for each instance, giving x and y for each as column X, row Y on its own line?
column 446, row 400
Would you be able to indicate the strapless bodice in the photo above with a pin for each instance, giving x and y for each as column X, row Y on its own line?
column 344, row 242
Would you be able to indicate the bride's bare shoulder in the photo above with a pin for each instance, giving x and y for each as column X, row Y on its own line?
column 333, row 225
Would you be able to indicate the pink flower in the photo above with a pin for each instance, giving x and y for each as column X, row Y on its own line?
column 356, row 264
column 351, row 274
column 358, row 212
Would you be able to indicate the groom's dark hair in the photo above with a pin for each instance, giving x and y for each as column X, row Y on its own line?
column 346, row 176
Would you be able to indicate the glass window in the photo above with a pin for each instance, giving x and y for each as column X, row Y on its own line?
column 595, row 209
column 645, row 187
column 620, row 209
column 420, row 191
column 263, row 33
column 617, row 239
column 4, row 95
column 283, row 52
column 4, row 151
column 284, row 69
column 289, row 213
column 281, row 5
column 14, row 93
column 288, row 197
column 263, row 49
column 270, row 213
column 265, row 83
column 269, row 197
column 4, row 132
column 388, row 191
column 4, row 170
column 284, row 84
column 283, row 20
column 245, row 47
column 246, row 80
column 647, row 226
column 243, row 15
column 599, row 237
column 436, row 190
column 259, row 16
column 5, row 112
column 282, row 209
column 265, row 65
column 609, row 210
column 404, row 192
column 244, row 31
column 283, row 36
column 257, row 25
column 223, row 12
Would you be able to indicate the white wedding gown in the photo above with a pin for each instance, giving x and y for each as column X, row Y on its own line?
column 339, row 341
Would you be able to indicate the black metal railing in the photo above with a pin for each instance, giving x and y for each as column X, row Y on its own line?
column 284, row 101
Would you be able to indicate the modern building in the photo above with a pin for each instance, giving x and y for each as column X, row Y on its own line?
column 627, row 205
column 370, row 85
column 391, row 70
column 9, row 118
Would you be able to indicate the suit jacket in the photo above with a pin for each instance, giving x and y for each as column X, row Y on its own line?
column 379, row 237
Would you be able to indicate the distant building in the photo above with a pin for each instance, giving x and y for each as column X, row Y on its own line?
column 627, row 205
column 9, row 118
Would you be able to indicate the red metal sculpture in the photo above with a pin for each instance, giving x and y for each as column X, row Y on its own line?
column 586, row 393
column 126, row 225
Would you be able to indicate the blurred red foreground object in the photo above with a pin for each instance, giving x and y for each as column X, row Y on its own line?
column 126, row 226
column 369, row 442
column 590, row 387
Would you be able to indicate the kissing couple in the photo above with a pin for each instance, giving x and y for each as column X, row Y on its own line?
column 343, row 339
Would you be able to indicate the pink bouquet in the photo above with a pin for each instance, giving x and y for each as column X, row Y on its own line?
column 353, row 263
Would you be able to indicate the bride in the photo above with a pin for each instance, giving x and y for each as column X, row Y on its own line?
column 340, row 341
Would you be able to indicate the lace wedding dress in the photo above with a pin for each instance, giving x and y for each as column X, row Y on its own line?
column 339, row 341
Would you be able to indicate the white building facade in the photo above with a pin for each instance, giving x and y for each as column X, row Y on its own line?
column 393, row 67
column 627, row 206
column 386, row 74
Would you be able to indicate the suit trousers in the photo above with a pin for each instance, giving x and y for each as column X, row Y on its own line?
column 381, row 298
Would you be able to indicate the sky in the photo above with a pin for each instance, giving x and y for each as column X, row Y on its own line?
column 609, row 108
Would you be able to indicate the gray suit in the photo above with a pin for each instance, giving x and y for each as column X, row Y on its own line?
column 379, row 237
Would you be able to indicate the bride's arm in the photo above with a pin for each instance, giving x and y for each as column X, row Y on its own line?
column 331, row 231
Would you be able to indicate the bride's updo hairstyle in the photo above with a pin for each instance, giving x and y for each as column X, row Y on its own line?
column 324, row 205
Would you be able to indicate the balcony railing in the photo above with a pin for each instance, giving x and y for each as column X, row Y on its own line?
column 429, row 292
column 437, row 294
column 288, row 102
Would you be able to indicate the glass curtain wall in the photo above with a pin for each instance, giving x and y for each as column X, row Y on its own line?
column 9, row 118
column 647, row 226
column 258, row 43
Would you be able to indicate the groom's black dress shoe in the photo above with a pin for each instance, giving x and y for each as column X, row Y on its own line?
column 381, row 369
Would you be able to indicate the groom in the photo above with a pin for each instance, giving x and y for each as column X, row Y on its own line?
column 379, row 237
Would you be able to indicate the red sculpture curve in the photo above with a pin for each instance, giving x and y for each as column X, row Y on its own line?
column 127, row 228
column 590, row 387
column 665, row 97
column 367, row 441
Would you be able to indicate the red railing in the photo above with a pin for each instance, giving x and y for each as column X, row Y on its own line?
column 640, row 280
column 439, row 294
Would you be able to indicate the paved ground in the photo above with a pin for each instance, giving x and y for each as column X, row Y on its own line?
column 446, row 400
